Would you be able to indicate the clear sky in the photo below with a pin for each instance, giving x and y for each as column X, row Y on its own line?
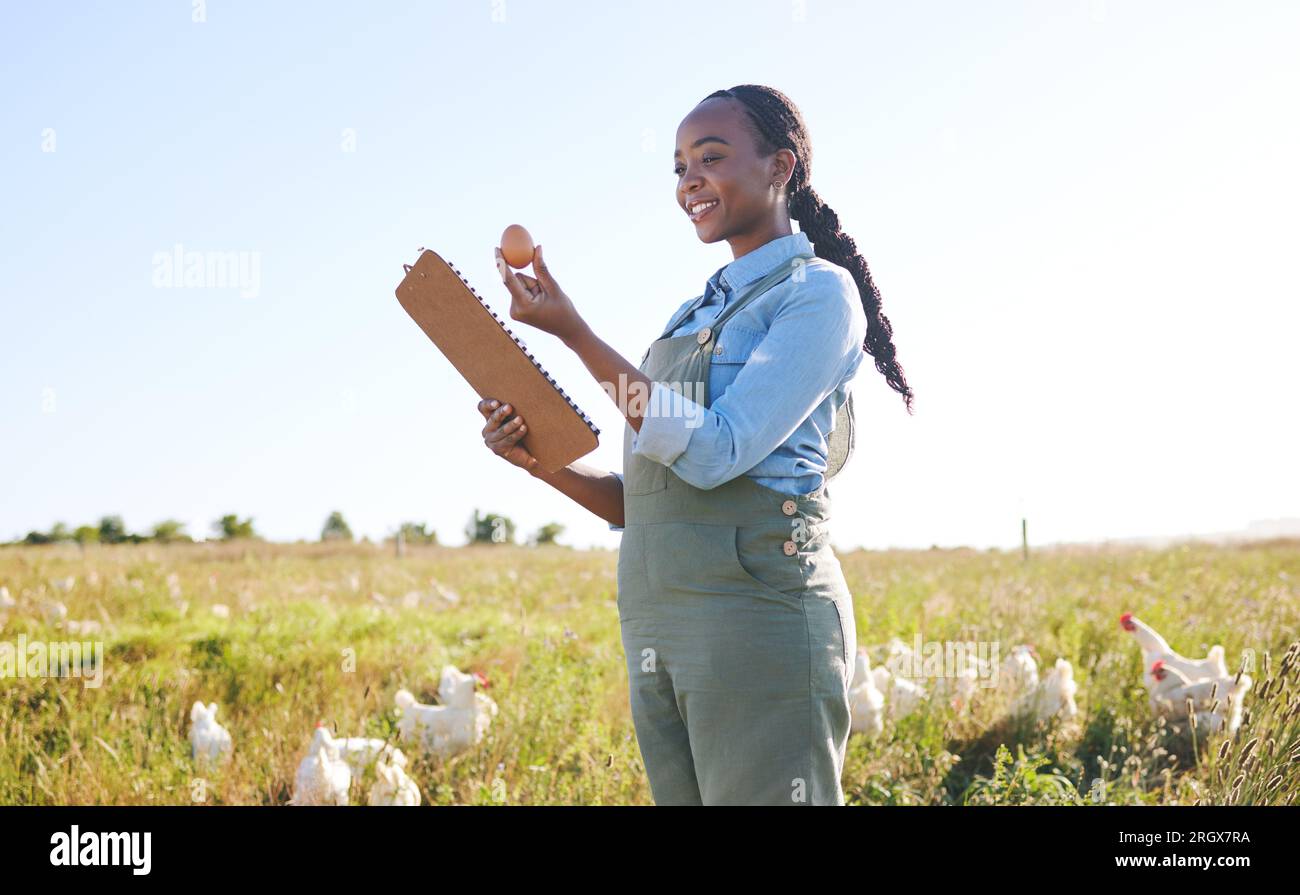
column 1081, row 215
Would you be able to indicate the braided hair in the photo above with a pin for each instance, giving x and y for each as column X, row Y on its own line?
column 777, row 124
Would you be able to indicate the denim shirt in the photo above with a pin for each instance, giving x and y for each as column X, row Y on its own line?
column 784, row 370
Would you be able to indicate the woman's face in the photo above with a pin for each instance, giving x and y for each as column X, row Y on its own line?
column 717, row 165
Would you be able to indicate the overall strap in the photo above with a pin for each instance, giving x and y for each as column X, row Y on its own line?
column 681, row 315
column 785, row 269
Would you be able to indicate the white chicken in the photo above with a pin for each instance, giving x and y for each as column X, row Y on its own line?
column 210, row 743
column 1052, row 696
column 902, row 695
column 1156, row 648
column 1171, row 691
column 460, row 722
column 323, row 777
column 1018, row 673
column 960, row 686
column 393, row 787
column 6, row 601
column 866, row 702
column 362, row 752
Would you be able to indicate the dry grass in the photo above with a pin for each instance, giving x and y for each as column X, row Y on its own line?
column 542, row 624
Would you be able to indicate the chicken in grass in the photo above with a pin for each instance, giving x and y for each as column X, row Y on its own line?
column 210, row 743
column 323, row 777
column 1216, row 702
column 866, row 702
column 1051, row 697
column 1156, row 648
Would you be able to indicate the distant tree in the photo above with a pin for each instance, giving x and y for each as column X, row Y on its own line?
column 231, row 527
column 170, row 530
column 491, row 528
column 418, row 533
column 60, row 533
column 86, row 534
column 36, row 537
column 547, row 534
column 112, row 530
column 336, row 528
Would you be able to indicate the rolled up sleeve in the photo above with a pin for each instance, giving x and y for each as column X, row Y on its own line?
column 812, row 344
column 666, row 427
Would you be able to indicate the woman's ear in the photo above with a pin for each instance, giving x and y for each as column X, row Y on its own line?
column 783, row 162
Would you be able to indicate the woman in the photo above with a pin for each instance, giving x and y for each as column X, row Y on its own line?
column 736, row 620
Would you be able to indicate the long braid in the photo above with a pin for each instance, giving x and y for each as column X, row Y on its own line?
column 777, row 124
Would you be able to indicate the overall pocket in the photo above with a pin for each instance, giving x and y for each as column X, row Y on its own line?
column 759, row 553
column 642, row 476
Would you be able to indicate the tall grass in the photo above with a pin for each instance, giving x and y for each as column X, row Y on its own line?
column 328, row 633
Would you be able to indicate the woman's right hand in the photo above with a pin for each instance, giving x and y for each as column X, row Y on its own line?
column 503, row 439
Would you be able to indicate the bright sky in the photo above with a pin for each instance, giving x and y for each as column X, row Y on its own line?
column 1082, row 217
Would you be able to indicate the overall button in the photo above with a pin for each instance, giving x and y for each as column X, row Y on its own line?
column 790, row 548
column 789, row 507
column 704, row 335
column 718, row 349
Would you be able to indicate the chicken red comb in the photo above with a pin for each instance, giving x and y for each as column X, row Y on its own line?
column 1158, row 665
column 482, row 679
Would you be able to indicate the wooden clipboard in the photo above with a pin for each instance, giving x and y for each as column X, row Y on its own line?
column 494, row 361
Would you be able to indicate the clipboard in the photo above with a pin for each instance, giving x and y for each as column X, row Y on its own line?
column 494, row 361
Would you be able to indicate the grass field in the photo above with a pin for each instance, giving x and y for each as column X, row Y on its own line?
column 542, row 625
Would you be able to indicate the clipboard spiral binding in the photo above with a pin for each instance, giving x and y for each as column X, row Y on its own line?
column 518, row 341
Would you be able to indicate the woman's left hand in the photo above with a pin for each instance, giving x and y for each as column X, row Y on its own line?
column 539, row 301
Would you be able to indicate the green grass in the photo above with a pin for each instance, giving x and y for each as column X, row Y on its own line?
column 306, row 641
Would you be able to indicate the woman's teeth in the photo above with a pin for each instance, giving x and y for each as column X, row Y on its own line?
column 703, row 209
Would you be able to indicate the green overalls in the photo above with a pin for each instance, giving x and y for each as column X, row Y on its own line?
column 736, row 620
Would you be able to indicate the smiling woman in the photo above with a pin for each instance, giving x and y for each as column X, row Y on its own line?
column 736, row 621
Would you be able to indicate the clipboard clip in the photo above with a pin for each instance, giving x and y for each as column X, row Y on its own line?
column 407, row 267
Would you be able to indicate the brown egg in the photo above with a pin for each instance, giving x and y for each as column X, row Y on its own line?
column 517, row 246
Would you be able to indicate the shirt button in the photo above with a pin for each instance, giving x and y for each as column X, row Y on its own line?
column 790, row 548
column 789, row 507
column 704, row 335
column 718, row 348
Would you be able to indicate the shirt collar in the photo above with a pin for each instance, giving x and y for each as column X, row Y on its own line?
column 752, row 265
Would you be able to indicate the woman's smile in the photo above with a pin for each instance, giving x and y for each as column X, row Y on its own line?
column 698, row 210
